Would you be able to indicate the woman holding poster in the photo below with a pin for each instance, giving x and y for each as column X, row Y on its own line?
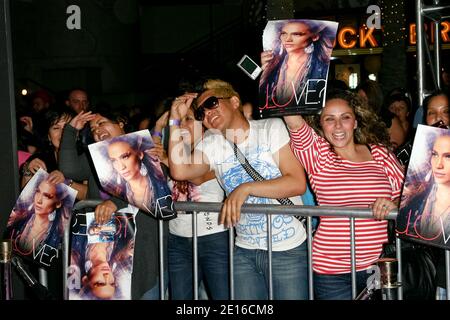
column 348, row 165
column 300, row 51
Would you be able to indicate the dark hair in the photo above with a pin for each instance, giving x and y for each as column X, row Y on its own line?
column 398, row 97
column 427, row 100
column 374, row 94
column 370, row 130
column 115, row 117
column 69, row 92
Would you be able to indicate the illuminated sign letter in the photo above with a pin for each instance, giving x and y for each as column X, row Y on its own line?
column 363, row 37
column 341, row 38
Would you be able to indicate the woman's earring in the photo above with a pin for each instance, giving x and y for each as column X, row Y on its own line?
column 118, row 180
column 143, row 170
column 52, row 216
column 310, row 49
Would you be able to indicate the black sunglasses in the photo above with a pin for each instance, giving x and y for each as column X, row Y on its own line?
column 210, row 104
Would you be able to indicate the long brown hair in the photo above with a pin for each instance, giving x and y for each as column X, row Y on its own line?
column 371, row 129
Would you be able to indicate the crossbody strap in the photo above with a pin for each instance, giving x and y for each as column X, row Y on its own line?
column 256, row 176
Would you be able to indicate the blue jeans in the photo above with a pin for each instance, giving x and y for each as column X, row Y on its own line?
column 441, row 293
column 213, row 265
column 153, row 293
column 289, row 274
column 338, row 286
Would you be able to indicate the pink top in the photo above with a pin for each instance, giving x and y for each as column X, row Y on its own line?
column 22, row 156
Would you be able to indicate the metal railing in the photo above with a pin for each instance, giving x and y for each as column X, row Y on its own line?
column 436, row 13
column 307, row 211
column 271, row 209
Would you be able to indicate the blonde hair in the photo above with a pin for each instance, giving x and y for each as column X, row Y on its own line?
column 221, row 87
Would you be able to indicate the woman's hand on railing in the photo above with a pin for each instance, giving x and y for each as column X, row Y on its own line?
column 381, row 208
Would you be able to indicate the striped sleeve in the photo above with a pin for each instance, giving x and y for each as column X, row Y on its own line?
column 309, row 148
column 393, row 169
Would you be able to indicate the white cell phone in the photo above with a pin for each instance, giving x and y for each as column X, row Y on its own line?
column 249, row 67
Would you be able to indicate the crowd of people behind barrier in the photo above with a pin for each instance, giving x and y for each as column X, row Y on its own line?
column 353, row 154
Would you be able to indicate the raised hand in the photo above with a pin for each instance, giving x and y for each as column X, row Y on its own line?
column 181, row 105
column 79, row 121
column 161, row 123
column 266, row 57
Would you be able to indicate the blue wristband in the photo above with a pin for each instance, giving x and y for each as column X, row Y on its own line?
column 174, row 122
column 157, row 133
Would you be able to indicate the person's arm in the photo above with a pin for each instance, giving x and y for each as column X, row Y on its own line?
column 183, row 164
column 291, row 183
column 74, row 166
column 395, row 174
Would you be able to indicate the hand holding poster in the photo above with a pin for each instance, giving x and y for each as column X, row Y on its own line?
column 37, row 222
column 296, row 68
column 424, row 214
column 127, row 169
column 101, row 268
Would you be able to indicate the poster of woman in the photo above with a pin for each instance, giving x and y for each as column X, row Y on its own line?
column 37, row 222
column 295, row 63
column 101, row 268
column 126, row 169
column 424, row 214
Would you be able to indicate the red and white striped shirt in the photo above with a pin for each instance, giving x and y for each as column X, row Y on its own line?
column 342, row 183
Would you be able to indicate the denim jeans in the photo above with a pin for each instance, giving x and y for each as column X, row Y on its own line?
column 289, row 274
column 338, row 286
column 441, row 293
column 153, row 293
column 213, row 265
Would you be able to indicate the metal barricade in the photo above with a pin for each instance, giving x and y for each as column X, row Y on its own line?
column 308, row 211
column 273, row 209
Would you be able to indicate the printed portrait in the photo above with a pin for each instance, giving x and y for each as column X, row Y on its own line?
column 38, row 220
column 126, row 169
column 294, row 79
column 424, row 213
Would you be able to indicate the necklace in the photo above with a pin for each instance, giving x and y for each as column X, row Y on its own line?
column 147, row 196
column 297, row 83
column 28, row 239
column 432, row 218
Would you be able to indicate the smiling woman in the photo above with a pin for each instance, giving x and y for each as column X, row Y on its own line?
column 348, row 165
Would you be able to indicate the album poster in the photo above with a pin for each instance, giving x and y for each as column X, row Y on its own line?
column 101, row 258
column 294, row 78
column 38, row 220
column 424, row 213
column 127, row 169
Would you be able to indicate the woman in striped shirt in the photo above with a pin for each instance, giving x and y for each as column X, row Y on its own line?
column 348, row 165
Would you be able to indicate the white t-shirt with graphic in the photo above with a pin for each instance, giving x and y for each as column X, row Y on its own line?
column 265, row 138
column 207, row 222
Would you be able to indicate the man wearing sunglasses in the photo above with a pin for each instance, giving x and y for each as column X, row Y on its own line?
column 265, row 144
